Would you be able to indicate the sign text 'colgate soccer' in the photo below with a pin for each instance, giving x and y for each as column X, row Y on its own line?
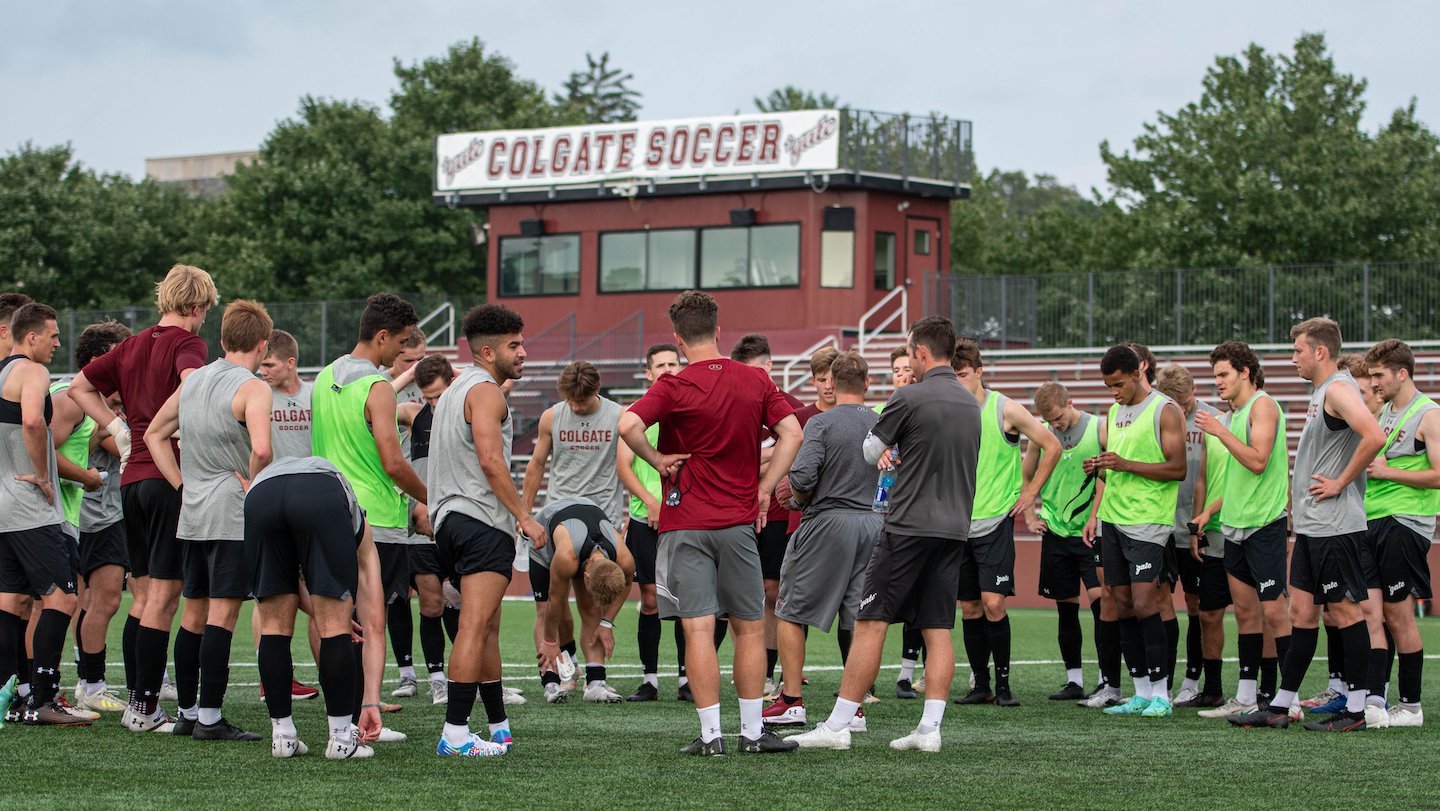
column 764, row 143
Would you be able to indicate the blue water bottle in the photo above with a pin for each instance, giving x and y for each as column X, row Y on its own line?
column 882, row 491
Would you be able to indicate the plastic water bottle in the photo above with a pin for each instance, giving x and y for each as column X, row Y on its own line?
column 882, row 491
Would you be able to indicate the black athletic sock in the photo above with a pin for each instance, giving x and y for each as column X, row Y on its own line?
column 647, row 638
column 452, row 622
column 721, row 628
column 1107, row 650
column 772, row 656
column 679, row 647
column 91, row 667
column 1068, row 635
column 24, row 668
column 400, row 625
column 1157, row 647
column 1389, row 654
column 1214, row 678
column 913, row 642
column 492, row 695
column 1357, row 655
column 337, row 675
column 594, row 673
column 357, row 683
column 843, row 638
column 1282, row 647
column 1269, row 667
column 1194, row 650
column 10, row 626
column 998, row 633
column 569, row 647
column 275, row 666
column 1297, row 659
column 127, row 649
column 977, row 650
column 187, row 667
column 215, row 666
column 1133, row 645
column 1250, row 648
column 50, row 631
column 461, row 701
column 549, row 677
column 80, row 623
column 1172, row 648
column 1412, row 667
column 432, row 643
column 151, row 644
column 1335, row 652
column 1377, row 677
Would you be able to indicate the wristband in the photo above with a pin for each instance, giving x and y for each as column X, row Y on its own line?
column 376, row 706
column 604, row 623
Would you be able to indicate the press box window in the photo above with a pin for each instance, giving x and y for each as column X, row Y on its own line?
column 884, row 261
column 837, row 258
column 540, row 266
column 647, row 260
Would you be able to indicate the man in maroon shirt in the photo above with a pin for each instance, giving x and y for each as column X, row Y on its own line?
column 145, row 370
column 710, row 415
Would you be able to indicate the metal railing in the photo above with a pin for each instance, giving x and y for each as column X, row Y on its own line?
column 900, row 316
column 907, row 146
column 787, row 385
column 443, row 326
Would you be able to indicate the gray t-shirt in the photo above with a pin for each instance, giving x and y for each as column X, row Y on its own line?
column 831, row 464
column 1194, row 455
column 1405, row 444
column 454, row 479
column 582, row 525
column 302, row 465
column 582, row 459
column 1325, row 451
column 409, row 394
column 101, row 508
column 290, row 421
column 24, row 504
column 934, row 426
column 214, row 447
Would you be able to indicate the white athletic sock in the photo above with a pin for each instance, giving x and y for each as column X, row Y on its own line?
column 840, row 716
column 283, row 726
column 684, row 680
column 1338, row 685
column 1142, row 688
column 652, row 679
column 437, row 678
column 709, row 722
column 750, row 724
column 1245, row 693
column 1378, row 701
column 907, row 669
column 1286, row 699
column 932, row 716
column 1076, row 675
column 189, row 713
column 1160, row 688
column 455, row 734
column 1189, row 684
column 339, row 726
column 98, row 687
column 209, row 715
column 22, row 689
column 499, row 725
column 407, row 672
column 1355, row 700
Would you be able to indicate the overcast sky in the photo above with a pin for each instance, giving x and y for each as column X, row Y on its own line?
column 1043, row 82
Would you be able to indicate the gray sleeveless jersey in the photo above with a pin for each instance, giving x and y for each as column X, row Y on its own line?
column 455, row 480
column 582, row 462
column 101, row 508
column 290, row 421
column 214, row 446
column 409, row 394
column 1405, row 445
column 1194, row 454
column 302, row 465
column 1325, row 453
column 24, row 504
column 577, row 529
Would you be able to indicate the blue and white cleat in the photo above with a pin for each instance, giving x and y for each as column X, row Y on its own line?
column 476, row 746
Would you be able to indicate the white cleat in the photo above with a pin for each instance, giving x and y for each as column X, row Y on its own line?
column 1402, row 716
column 822, row 737
column 772, row 690
column 406, row 689
column 598, row 692
column 347, row 747
column 1376, row 716
column 137, row 722
column 858, row 723
column 439, row 692
column 918, row 741
column 287, row 746
column 388, row 735
column 511, row 691
column 514, row 698
column 1107, row 696
column 168, row 692
column 555, row 693
column 1230, row 708
column 99, row 701
column 1185, row 694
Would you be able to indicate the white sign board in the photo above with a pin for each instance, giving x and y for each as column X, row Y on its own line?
column 764, row 143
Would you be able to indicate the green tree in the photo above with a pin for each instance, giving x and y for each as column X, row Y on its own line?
column 791, row 97
column 600, row 93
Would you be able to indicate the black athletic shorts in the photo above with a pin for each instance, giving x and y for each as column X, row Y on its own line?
column 1259, row 560
column 103, row 547
column 467, row 546
column 644, row 542
column 1205, row 579
column 423, row 560
column 912, row 579
column 37, row 561
column 1128, row 560
column 301, row 525
column 152, row 516
column 1401, row 556
column 1065, row 563
column 987, row 563
column 218, row 569
column 394, row 571
column 1333, row 567
column 1172, row 564
column 772, row 541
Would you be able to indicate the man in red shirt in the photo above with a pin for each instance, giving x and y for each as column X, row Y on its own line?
column 715, row 501
column 146, row 369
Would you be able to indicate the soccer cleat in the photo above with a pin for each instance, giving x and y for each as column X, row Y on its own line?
column 781, row 714
column 503, row 737
column 168, row 692
column 511, row 691
column 139, row 722
column 858, row 723
column 512, row 698
column 391, row 707
column 904, row 689
column 476, row 746
column 347, row 747
column 772, row 690
column 184, row 727
column 51, row 713
column 598, row 692
column 1186, row 695
column 87, row 714
column 713, row 748
column 555, row 694
column 1201, row 701
column 1105, row 696
column 823, row 737
column 1135, row 706
column 870, row 698
column 918, row 741
column 977, row 695
column 1004, row 698
column 1376, row 717
column 7, row 697
column 407, row 688
column 388, row 735
column 919, row 684
column 1160, row 707
column 767, row 743
column 287, row 746
column 645, row 692
column 99, row 701
column 683, row 693
column 1262, row 717
column 439, row 692
column 1402, row 716
column 1229, row 709
column 222, row 730
column 1340, row 722
column 1323, row 699
column 301, row 692
column 1070, row 692
column 1336, row 703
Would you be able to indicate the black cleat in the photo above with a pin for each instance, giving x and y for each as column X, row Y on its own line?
column 645, row 692
column 714, row 748
column 904, row 689
column 1263, row 699
column 184, row 727
column 222, row 731
column 1263, row 717
column 1070, row 692
column 1004, row 698
column 1339, row 722
column 1201, row 702
column 767, row 742
column 684, row 694
column 977, row 695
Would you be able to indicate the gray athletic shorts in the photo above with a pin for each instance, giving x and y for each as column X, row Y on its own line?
column 704, row 572
column 824, row 569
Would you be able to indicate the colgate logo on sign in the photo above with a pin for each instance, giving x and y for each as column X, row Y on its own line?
column 797, row 145
column 457, row 163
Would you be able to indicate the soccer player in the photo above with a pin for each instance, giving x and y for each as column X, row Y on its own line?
column 1002, row 492
column 1212, row 587
column 1252, row 510
column 824, row 567
column 290, row 417
column 710, row 416
column 400, row 621
column 475, row 513
column 145, row 370
column 643, row 483
column 580, row 433
column 11, row 301
column 912, row 642
column 36, row 557
column 302, row 520
column 1143, row 465
column 1332, row 563
column 930, row 434
column 1067, row 561
column 223, row 411
column 583, row 551
column 1402, row 496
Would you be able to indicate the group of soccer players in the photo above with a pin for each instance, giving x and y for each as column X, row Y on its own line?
column 735, row 508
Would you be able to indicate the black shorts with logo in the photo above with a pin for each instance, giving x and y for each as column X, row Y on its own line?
column 103, row 547
column 394, row 571
column 423, row 560
column 1065, row 564
column 912, row 579
column 223, row 569
column 1333, row 568
column 772, row 541
column 468, row 546
column 1259, row 560
column 1204, row 578
column 152, row 517
column 987, row 563
column 1128, row 560
column 301, row 525
column 37, row 561
column 644, row 542
column 1401, row 555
